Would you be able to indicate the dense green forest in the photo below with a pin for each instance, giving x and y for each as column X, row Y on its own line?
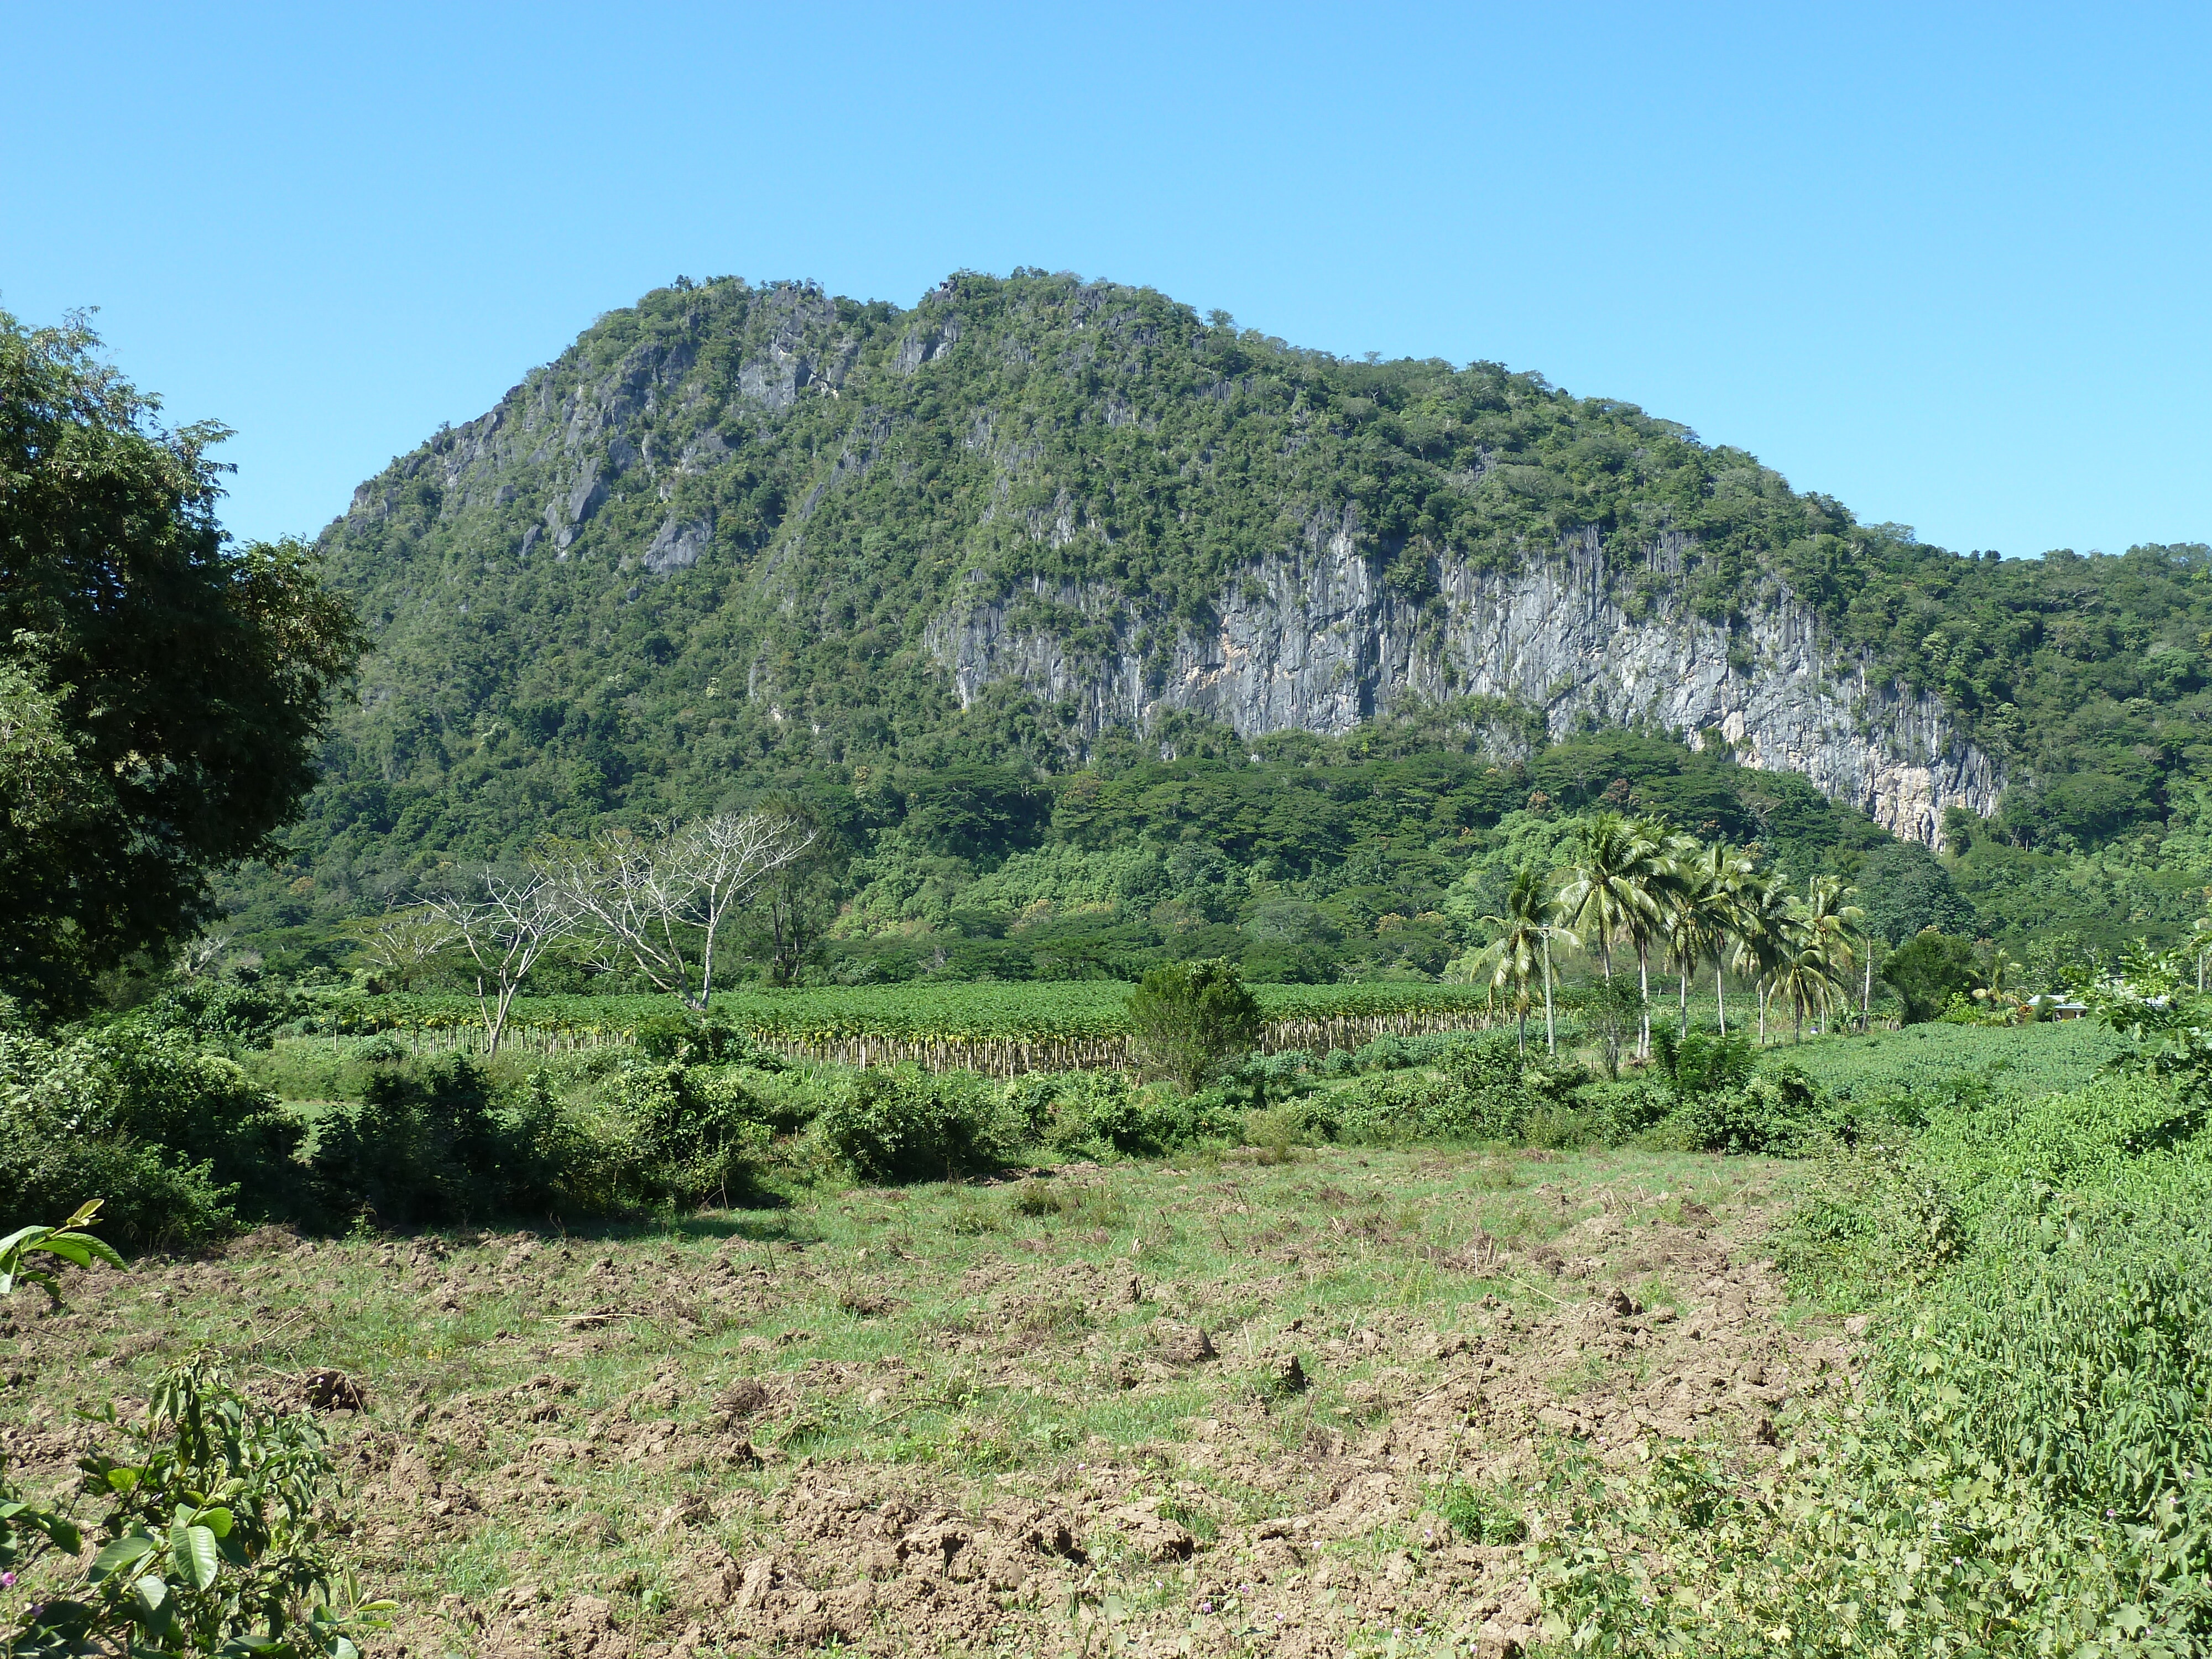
column 692, row 564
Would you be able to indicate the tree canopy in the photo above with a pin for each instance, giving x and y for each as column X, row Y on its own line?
column 161, row 690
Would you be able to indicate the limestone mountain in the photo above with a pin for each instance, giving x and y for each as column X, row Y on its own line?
column 738, row 535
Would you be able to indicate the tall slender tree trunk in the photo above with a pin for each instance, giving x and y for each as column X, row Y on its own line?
column 1719, row 994
column 1866, row 993
column 1551, row 1036
column 1644, row 986
column 1685, row 1031
column 1762, row 1015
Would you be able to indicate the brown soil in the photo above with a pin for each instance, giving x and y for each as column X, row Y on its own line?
column 649, row 1410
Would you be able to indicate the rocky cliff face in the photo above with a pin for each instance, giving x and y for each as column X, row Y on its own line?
column 1317, row 641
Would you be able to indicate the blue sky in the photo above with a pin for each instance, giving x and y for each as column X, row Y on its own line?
column 1948, row 264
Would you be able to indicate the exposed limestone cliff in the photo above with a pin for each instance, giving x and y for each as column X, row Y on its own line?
column 1318, row 642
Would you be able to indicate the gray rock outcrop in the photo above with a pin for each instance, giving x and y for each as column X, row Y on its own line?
column 1317, row 641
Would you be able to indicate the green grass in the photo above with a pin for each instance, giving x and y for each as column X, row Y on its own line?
column 2052, row 1058
column 978, row 1339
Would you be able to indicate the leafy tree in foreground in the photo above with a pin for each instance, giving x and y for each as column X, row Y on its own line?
column 160, row 691
column 1188, row 1018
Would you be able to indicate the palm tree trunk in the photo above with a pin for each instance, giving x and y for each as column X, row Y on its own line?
column 1762, row 1015
column 1866, row 992
column 1550, row 1037
column 1719, row 994
column 1686, row 1000
column 1643, row 985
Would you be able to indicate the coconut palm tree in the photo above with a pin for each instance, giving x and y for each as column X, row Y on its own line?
column 1512, row 959
column 1840, row 926
column 1658, row 872
column 1803, row 974
column 1757, row 943
column 1613, row 891
column 1522, row 951
column 1701, row 917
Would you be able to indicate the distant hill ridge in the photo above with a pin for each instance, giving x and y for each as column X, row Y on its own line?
column 739, row 533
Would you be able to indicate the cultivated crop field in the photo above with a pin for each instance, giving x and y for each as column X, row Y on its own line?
column 1219, row 1406
column 1001, row 1030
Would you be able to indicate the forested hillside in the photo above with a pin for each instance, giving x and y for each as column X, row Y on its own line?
column 699, row 559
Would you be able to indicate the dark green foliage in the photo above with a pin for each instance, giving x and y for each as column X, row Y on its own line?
column 1780, row 1112
column 906, row 1125
column 179, row 1142
column 1489, row 1092
column 685, row 1038
column 1187, row 1020
column 165, row 689
column 1905, row 888
column 1702, row 1061
column 222, row 1013
column 426, row 1146
column 683, row 1135
column 1107, row 1112
column 1622, row 1111
column 1930, row 970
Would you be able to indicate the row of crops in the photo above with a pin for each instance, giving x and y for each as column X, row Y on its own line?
column 998, row 1028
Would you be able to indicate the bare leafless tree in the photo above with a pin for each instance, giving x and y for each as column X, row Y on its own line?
column 661, row 901
column 400, row 942
column 506, row 924
column 201, row 956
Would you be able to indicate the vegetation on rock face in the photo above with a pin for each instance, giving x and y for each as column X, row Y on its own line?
column 697, row 559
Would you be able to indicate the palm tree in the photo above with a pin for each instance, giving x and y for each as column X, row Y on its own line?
column 1522, row 950
column 1804, row 973
column 1757, row 942
column 1838, row 925
column 1513, row 959
column 1613, row 891
column 1702, row 917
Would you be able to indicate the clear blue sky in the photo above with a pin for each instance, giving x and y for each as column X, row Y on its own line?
column 1949, row 265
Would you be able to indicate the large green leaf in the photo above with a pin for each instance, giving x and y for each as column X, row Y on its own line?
column 125, row 1550
column 194, row 1551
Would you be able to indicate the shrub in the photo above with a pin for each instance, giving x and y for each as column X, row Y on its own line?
column 1488, row 1092
column 1099, row 1114
column 1927, row 973
column 1779, row 1111
column 1185, row 1019
column 224, row 1015
column 212, row 1541
column 1702, row 1062
column 177, row 1142
column 1619, row 1112
column 427, row 1145
column 691, row 1039
column 688, row 1135
column 906, row 1125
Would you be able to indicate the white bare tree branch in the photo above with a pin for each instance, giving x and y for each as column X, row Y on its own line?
column 662, row 901
column 506, row 925
column 400, row 942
